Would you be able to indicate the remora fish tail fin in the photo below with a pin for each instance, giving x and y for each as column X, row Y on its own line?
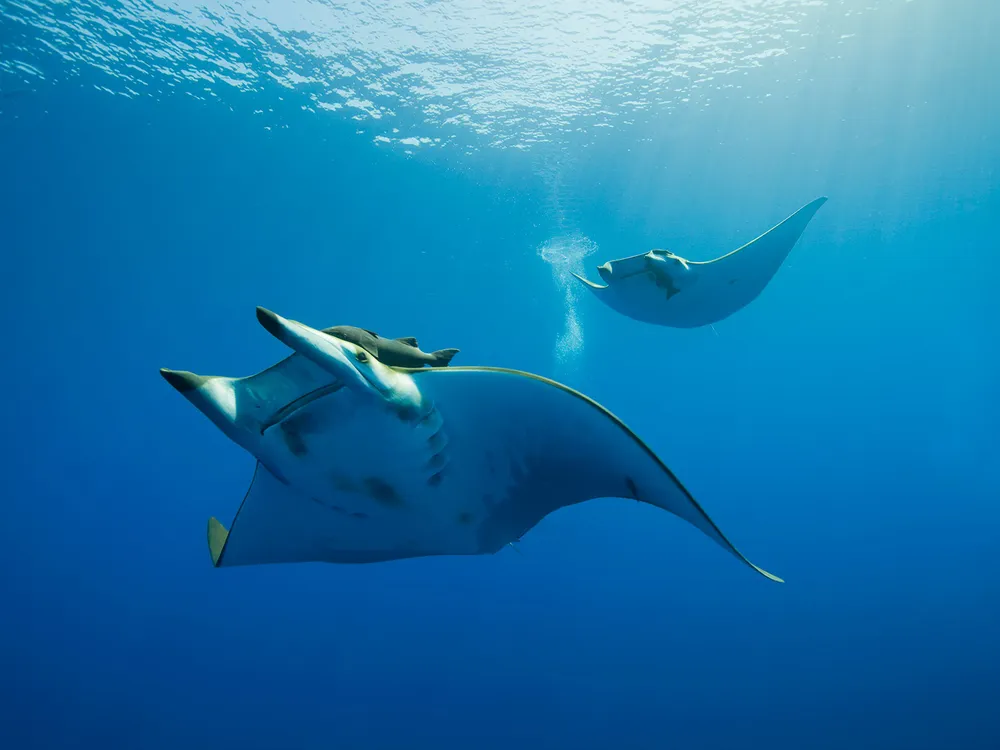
column 442, row 357
column 409, row 341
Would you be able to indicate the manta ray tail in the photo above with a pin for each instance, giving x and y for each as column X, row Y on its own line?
column 442, row 357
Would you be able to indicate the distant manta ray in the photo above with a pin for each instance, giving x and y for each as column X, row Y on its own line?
column 358, row 462
column 665, row 289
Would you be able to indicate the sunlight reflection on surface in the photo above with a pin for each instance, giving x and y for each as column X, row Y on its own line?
column 426, row 73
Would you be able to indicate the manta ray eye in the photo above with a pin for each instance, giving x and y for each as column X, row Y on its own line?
column 362, row 356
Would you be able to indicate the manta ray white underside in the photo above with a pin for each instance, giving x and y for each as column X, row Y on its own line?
column 358, row 462
column 665, row 289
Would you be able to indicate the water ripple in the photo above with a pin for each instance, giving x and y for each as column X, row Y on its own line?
column 462, row 71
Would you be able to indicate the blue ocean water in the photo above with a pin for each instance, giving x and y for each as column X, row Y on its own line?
column 435, row 169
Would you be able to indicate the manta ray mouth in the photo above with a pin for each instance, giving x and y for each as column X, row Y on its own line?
column 367, row 374
column 300, row 403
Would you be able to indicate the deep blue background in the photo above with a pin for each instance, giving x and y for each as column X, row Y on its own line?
column 842, row 429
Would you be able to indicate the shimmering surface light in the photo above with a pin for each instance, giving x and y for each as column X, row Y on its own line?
column 426, row 73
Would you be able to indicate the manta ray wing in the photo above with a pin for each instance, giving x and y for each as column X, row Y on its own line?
column 716, row 289
column 278, row 524
column 496, row 452
column 741, row 275
column 535, row 446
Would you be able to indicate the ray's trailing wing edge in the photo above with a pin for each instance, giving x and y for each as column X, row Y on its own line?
column 662, row 288
column 668, row 492
column 358, row 462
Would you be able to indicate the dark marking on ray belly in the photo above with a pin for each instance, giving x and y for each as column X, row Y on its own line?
column 359, row 516
column 302, row 422
column 435, row 479
column 293, row 440
column 334, row 508
column 437, row 441
column 278, row 475
column 427, row 414
column 733, row 281
column 436, row 461
column 465, row 518
column 407, row 413
column 382, row 492
column 632, row 488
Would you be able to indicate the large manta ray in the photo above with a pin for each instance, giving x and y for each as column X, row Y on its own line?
column 665, row 289
column 360, row 462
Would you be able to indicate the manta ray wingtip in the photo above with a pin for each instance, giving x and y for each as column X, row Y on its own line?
column 767, row 575
column 181, row 380
column 267, row 318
